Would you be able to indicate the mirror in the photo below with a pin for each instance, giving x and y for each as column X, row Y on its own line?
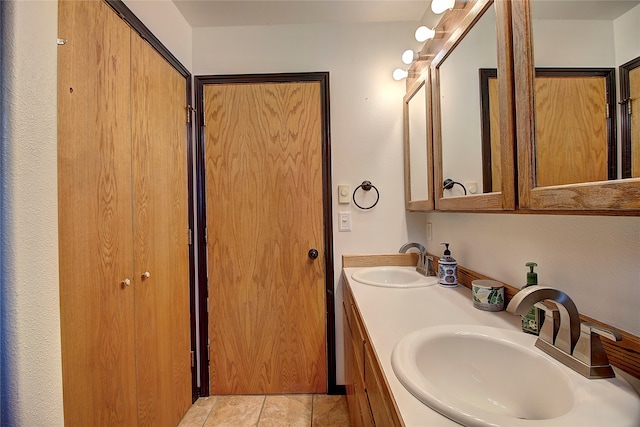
column 417, row 147
column 481, row 41
column 570, row 153
column 460, row 106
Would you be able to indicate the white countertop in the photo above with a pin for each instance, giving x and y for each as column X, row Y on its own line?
column 391, row 313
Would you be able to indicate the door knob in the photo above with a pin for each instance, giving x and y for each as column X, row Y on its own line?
column 146, row 275
column 126, row 282
column 313, row 253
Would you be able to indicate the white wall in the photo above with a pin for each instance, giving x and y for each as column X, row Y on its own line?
column 626, row 30
column 164, row 20
column 31, row 365
column 593, row 259
column 366, row 116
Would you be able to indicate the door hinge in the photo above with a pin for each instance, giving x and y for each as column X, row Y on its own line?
column 190, row 111
column 607, row 109
column 190, row 236
column 62, row 42
column 206, row 232
column 628, row 103
column 193, row 359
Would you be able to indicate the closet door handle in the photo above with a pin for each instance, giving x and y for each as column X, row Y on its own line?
column 146, row 275
column 313, row 253
column 126, row 282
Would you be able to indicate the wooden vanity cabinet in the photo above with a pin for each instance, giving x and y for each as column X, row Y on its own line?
column 368, row 395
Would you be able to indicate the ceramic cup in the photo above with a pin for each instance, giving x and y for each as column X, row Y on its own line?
column 487, row 295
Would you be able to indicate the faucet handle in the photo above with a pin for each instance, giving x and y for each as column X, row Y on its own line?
column 589, row 348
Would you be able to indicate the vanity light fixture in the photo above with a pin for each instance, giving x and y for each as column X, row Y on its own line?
column 408, row 56
column 424, row 33
column 439, row 6
column 399, row 74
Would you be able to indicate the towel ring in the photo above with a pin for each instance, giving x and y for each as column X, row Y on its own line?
column 366, row 186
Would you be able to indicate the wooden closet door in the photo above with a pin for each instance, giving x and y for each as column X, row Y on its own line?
column 571, row 130
column 94, row 206
column 163, row 341
column 264, row 212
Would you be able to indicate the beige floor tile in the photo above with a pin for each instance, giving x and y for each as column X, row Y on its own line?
column 198, row 413
column 292, row 410
column 330, row 411
column 235, row 411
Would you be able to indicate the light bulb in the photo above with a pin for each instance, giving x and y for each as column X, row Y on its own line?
column 424, row 33
column 399, row 74
column 408, row 56
column 439, row 6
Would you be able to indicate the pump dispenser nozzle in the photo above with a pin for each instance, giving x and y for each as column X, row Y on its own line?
column 532, row 276
column 447, row 252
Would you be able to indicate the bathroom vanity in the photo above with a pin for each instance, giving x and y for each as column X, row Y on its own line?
column 378, row 317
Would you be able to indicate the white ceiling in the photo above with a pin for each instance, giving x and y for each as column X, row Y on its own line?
column 220, row 13
column 213, row 13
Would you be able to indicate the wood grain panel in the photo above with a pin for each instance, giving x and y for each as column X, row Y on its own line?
column 571, row 130
column 634, row 89
column 94, row 206
column 264, row 212
column 159, row 143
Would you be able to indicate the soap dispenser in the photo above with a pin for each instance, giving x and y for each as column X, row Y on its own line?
column 447, row 269
column 532, row 321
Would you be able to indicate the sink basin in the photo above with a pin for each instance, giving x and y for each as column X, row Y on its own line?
column 485, row 376
column 393, row 277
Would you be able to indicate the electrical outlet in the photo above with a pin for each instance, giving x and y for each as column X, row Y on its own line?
column 429, row 232
column 471, row 186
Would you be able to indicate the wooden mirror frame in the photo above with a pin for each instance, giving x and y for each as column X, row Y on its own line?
column 428, row 204
column 455, row 24
column 602, row 197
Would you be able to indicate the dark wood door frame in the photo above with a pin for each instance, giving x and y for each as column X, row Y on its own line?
column 625, row 121
column 199, row 83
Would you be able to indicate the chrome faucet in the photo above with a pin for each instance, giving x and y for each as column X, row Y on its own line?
column 563, row 336
column 425, row 262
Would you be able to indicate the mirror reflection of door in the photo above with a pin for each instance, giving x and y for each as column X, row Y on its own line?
column 630, row 123
column 490, row 123
column 575, row 125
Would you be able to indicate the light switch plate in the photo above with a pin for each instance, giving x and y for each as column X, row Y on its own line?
column 344, row 192
column 345, row 221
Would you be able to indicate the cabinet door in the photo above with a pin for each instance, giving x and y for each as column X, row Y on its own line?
column 160, row 200
column 94, row 206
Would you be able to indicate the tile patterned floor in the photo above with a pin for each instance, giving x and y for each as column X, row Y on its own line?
column 303, row 410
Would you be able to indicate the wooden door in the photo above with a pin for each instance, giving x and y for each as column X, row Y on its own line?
column 94, row 206
column 634, row 101
column 571, row 130
column 264, row 213
column 163, row 341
